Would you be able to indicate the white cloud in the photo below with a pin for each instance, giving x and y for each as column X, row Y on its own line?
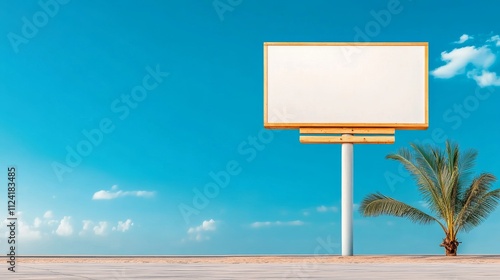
column 48, row 219
column 102, row 194
column 100, row 229
column 355, row 207
column 495, row 39
column 115, row 193
column 276, row 223
column 464, row 38
column 65, row 228
column 43, row 227
column 324, row 208
column 485, row 78
column 86, row 226
column 37, row 223
column 198, row 233
column 458, row 59
column 27, row 233
column 124, row 226
column 473, row 61
column 48, row 215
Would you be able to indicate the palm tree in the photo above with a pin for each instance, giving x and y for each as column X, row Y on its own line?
column 457, row 201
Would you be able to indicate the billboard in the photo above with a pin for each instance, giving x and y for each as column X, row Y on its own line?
column 368, row 85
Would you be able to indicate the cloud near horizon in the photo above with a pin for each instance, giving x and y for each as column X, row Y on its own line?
column 47, row 226
column 115, row 193
column 324, row 208
column 473, row 61
column 198, row 233
column 277, row 223
column 65, row 228
column 123, row 226
column 101, row 228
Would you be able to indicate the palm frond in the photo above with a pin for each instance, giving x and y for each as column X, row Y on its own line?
column 427, row 160
column 379, row 204
column 478, row 202
column 465, row 167
column 450, row 175
column 426, row 182
column 481, row 210
column 432, row 162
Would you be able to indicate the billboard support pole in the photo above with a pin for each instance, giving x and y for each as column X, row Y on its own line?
column 347, row 197
column 347, row 137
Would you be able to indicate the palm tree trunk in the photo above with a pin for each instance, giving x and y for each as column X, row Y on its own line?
column 450, row 246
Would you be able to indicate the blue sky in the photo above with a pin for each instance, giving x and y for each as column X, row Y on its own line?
column 117, row 113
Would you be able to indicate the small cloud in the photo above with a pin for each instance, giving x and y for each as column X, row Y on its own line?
column 484, row 78
column 123, row 226
column 37, row 223
column 48, row 215
column 197, row 233
column 323, row 208
column 305, row 213
column 102, row 194
column 390, row 223
column 65, row 228
column 28, row 233
column 355, row 206
column 464, row 38
column 495, row 39
column 115, row 193
column 100, row 229
column 276, row 223
column 86, row 226
column 458, row 59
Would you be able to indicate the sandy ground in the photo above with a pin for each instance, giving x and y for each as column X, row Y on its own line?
column 256, row 267
column 379, row 259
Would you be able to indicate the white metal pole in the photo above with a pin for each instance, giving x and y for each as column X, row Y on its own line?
column 347, row 201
